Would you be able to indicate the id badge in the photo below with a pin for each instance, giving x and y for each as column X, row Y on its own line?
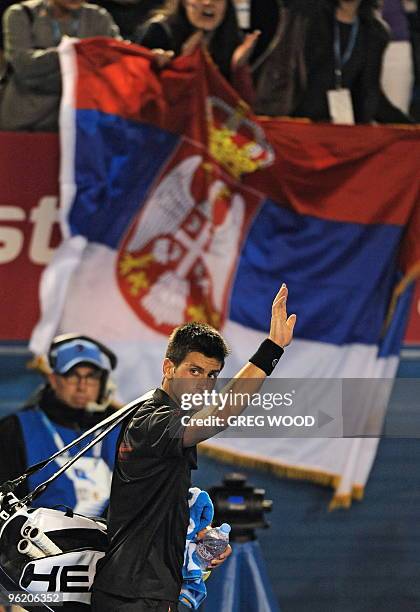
column 340, row 106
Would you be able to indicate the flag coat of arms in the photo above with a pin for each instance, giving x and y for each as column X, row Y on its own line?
column 177, row 204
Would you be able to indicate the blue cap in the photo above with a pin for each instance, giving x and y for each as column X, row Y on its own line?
column 75, row 352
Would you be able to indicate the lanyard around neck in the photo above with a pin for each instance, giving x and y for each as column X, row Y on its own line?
column 342, row 58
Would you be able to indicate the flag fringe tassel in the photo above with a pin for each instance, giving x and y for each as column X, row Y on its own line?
column 319, row 477
column 254, row 461
column 344, row 500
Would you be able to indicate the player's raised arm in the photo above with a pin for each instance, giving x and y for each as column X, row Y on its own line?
column 250, row 378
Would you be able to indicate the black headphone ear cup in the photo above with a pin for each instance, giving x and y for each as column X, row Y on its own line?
column 102, row 389
column 51, row 358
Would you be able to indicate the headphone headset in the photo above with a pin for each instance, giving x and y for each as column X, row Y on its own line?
column 106, row 387
column 65, row 338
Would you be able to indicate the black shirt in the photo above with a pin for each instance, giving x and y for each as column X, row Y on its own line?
column 148, row 513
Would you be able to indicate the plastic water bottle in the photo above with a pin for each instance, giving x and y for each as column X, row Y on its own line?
column 215, row 542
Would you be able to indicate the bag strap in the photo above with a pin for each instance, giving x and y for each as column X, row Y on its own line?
column 109, row 423
column 43, row 485
column 122, row 415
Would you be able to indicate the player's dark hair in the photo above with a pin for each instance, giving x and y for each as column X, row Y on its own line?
column 198, row 337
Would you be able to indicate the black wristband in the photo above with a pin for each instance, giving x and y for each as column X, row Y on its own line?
column 267, row 356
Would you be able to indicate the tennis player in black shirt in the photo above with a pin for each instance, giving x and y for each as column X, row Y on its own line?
column 148, row 513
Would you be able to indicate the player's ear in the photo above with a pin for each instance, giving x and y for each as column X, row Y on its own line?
column 168, row 368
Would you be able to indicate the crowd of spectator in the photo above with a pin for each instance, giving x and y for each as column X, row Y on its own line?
column 284, row 57
column 323, row 47
column 184, row 25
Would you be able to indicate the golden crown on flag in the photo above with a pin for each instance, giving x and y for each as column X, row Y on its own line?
column 235, row 141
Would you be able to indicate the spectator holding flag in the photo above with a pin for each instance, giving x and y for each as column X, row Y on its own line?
column 32, row 31
column 183, row 25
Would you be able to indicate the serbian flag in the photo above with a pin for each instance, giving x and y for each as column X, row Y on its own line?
column 177, row 204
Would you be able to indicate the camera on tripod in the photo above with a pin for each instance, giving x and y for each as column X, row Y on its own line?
column 242, row 506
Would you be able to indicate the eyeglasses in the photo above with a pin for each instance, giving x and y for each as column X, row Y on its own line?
column 91, row 379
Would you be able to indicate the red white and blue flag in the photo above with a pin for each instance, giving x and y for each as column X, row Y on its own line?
column 177, row 204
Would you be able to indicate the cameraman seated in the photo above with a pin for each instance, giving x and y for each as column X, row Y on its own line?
column 75, row 397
